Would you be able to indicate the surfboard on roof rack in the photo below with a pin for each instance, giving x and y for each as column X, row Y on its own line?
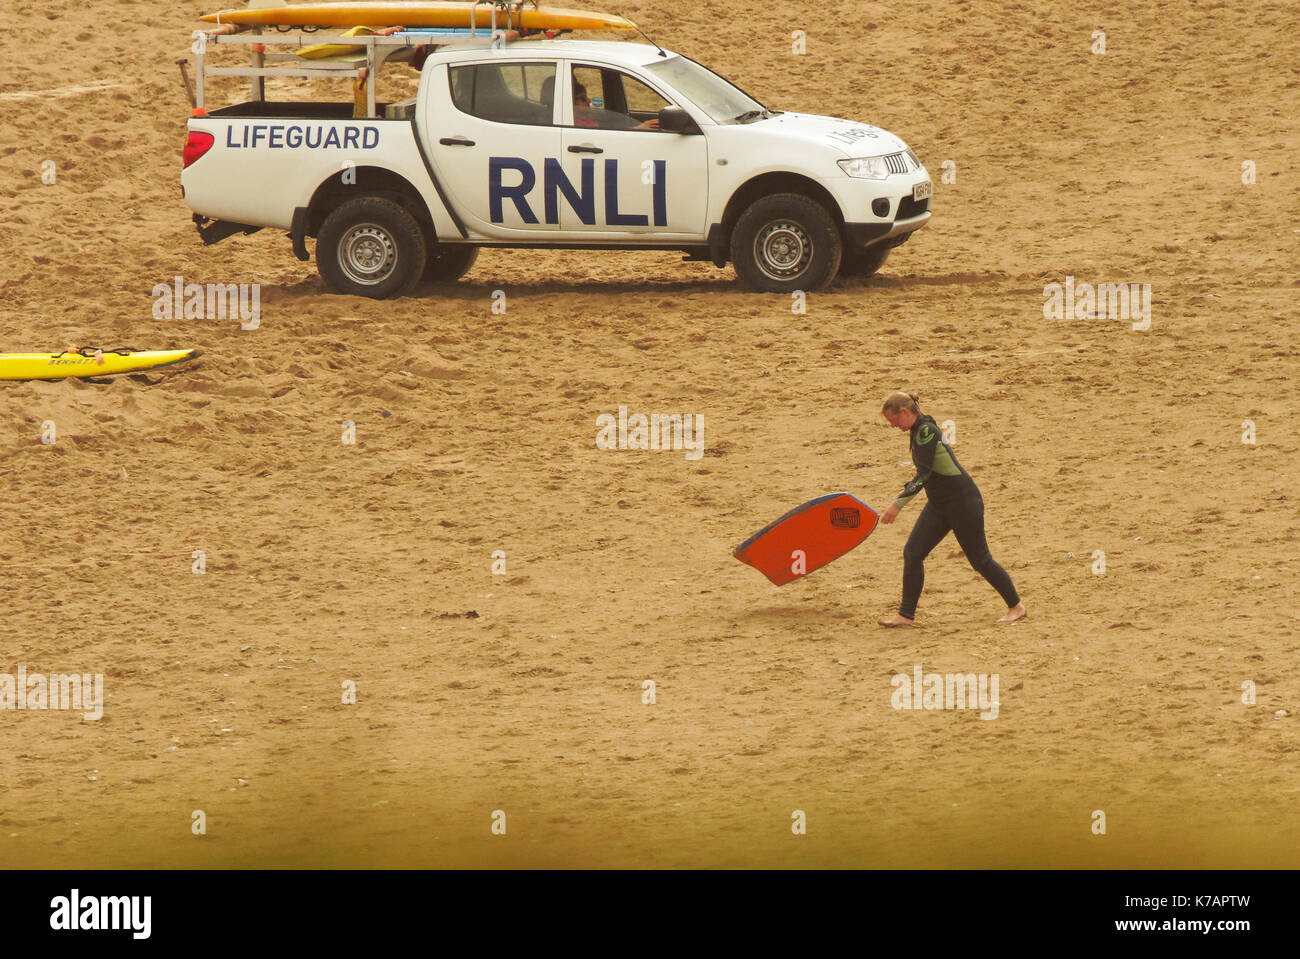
column 418, row 13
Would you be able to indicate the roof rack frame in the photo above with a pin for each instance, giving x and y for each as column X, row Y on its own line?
column 378, row 49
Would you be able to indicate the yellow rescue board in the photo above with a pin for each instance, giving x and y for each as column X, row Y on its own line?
column 328, row 51
column 416, row 14
column 57, row 366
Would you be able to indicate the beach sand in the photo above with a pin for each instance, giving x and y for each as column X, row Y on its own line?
column 371, row 562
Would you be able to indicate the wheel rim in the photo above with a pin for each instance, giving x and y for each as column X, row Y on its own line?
column 368, row 254
column 783, row 249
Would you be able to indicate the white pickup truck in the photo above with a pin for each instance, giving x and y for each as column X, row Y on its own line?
column 561, row 144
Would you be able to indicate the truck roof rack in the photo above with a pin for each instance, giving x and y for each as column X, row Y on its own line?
column 372, row 52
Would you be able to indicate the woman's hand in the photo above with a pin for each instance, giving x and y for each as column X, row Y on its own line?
column 889, row 515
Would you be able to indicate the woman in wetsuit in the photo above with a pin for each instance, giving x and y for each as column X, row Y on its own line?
column 953, row 502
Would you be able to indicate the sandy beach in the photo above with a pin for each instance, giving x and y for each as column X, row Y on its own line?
column 327, row 563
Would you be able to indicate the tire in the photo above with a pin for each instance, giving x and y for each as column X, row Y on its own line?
column 447, row 264
column 786, row 242
column 370, row 246
column 864, row 263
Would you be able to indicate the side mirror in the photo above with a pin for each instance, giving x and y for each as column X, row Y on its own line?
column 676, row 120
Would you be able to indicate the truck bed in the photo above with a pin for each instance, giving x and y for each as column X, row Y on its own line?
column 294, row 110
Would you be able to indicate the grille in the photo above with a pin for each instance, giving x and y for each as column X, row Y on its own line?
column 908, row 208
column 896, row 163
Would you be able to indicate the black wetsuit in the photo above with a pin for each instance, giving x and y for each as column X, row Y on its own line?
column 953, row 502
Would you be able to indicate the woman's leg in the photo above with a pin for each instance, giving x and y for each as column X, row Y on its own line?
column 930, row 528
column 968, row 526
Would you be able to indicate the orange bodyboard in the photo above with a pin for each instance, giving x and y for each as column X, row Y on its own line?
column 822, row 530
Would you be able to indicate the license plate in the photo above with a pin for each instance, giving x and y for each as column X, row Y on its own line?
column 922, row 191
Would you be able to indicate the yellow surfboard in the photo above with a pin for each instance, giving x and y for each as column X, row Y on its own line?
column 415, row 13
column 57, row 366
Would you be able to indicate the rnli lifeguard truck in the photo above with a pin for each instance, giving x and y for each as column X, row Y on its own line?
column 519, row 137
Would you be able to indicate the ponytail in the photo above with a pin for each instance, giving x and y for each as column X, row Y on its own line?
column 898, row 401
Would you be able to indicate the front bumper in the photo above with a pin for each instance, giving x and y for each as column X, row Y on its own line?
column 859, row 200
column 859, row 236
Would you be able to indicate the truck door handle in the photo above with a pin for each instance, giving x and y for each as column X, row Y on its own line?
column 585, row 148
column 456, row 142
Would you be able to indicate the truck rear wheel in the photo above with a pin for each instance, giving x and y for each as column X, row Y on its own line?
column 370, row 246
column 786, row 242
column 447, row 264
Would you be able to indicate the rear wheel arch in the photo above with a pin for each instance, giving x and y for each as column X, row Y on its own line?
column 369, row 181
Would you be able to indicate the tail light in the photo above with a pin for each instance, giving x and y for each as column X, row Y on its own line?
column 196, row 145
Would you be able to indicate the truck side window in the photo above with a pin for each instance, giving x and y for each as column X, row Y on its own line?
column 505, row 92
column 641, row 101
column 610, row 100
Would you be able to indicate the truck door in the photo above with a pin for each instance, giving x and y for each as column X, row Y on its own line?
column 630, row 180
column 490, row 128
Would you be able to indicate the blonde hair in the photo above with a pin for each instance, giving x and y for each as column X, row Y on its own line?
column 898, row 401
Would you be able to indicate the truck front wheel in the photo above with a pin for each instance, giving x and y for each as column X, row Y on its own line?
column 370, row 246
column 786, row 242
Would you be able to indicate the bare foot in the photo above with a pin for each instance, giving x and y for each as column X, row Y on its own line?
column 897, row 620
column 1014, row 613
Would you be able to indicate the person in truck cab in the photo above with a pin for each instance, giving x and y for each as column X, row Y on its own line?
column 585, row 115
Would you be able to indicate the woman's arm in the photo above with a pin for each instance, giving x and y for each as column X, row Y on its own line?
column 923, row 455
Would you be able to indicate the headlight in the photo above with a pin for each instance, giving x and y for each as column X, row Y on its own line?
column 865, row 168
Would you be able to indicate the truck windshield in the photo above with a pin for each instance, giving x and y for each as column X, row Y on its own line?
column 720, row 99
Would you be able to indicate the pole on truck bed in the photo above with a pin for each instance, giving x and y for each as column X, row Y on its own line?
column 258, row 90
column 198, row 73
column 184, row 64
